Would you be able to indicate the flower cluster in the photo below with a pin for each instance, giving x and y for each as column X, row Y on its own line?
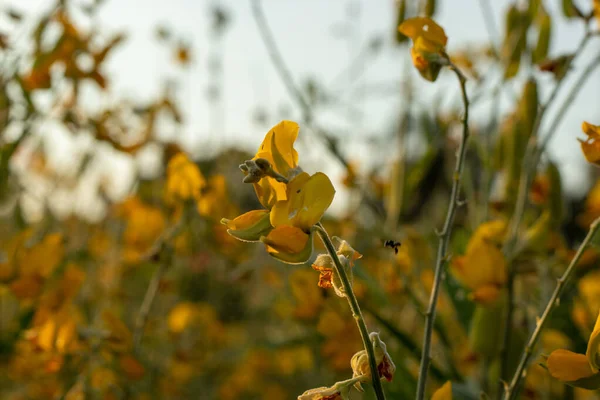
column 294, row 201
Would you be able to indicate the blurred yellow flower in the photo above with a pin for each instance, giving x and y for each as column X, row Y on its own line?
column 483, row 267
column 591, row 145
column 444, row 392
column 184, row 180
column 429, row 45
column 145, row 224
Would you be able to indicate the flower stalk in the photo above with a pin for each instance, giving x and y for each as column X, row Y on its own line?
column 512, row 389
column 444, row 239
column 355, row 308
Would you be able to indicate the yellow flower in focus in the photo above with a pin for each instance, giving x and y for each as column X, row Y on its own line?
column 576, row 369
column 483, row 267
column 277, row 150
column 591, row 145
column 294, row 200
column 429, row 45
column 184, row 180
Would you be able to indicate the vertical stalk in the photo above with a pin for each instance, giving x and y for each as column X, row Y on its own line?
column 513, row 388
column 355, row 308
column 442, row 256
column 530, row 162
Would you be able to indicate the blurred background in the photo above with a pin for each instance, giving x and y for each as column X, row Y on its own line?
column 103, row 294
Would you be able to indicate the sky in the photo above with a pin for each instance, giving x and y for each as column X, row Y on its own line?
column 310, row 36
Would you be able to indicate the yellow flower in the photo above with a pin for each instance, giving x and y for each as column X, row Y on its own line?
column 307, row 199
column 429, row 45
column 294, row 200
column 591, row 145
column 444, row 392
column 145, row 224
column 578, row 369
column 278, row 150
column 483, row 267
column 184, row 180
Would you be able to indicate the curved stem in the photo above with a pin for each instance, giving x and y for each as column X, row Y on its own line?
column 355, row 308
column 442, row 256
column 513, row 389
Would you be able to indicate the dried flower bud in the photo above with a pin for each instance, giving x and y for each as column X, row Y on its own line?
column 385, row 365
column 263, row 164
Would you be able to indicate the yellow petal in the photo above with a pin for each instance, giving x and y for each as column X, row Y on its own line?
column 308, row 199
column 283, row 212
column 318, row 194
column 286, row 238
column 424, row 27
column 486, row 294
column 483, row 263
column 181, row 316
column 591, row 150
column 592, row 131
column 245, row 220
column 269, row 191
column 278, row 147
column 444, row 392
column 567, row 366
column 594, row 347
column 289, row 244
column 249, row 227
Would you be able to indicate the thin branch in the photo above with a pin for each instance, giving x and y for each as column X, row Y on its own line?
column 490, row 25
column 442, row 256
column 530, row 163
column 595, row 63
column 513, row 389
column 161, row 250
column 355, row 308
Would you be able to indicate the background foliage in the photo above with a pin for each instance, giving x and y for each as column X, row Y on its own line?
column 148, row 297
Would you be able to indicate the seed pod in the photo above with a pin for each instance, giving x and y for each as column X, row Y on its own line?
column 485, row 333
column 527, row 110
column 430, row 6
column 555, row 200
column 400, row 38
column 543, row 43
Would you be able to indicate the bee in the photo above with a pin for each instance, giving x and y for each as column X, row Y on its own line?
column 393, row 245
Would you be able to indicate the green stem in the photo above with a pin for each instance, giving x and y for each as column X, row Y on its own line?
column 513, row 389
column 530, row 162
column 442, row 256
column 355, row 308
